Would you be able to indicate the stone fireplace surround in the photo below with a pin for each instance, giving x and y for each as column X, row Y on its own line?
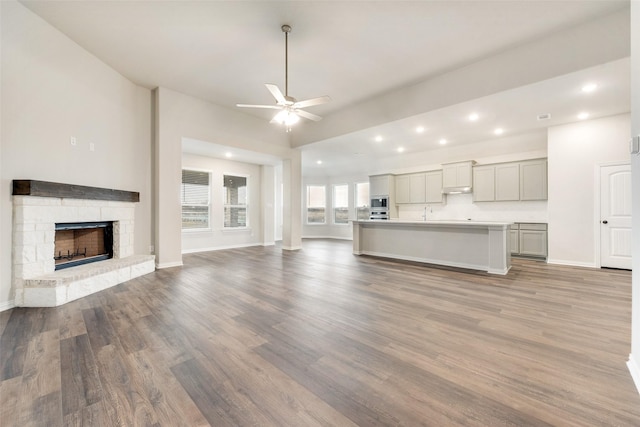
column 35, row 214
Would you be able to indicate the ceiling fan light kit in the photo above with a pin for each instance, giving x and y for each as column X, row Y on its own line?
column 290, row 109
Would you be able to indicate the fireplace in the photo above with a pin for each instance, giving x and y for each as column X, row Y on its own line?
column 56, row 226
column 78, row 243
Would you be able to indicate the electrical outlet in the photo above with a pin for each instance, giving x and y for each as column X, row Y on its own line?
column 151, row 249
column 73, row 141
column 634, row 145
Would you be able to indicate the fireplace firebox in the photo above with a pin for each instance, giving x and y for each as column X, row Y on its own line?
column 80, row 243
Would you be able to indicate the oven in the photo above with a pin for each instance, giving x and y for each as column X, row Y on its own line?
column 379, row 208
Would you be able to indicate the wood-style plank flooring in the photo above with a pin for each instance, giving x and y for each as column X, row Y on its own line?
column 319, row 337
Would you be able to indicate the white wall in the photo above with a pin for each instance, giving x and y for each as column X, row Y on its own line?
column 217, row 237
column 53, row 89
column 634, row 357
column 575, row 152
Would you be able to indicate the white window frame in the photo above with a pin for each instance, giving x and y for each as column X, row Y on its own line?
column 355, row 199
column 245, row 206
column 334, row 207
column 306, row 203
column 195, row 230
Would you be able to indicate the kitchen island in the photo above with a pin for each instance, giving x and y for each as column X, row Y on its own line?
column 477, row 245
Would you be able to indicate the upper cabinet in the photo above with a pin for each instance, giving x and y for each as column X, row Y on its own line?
column 381, row 185
column 484, row 183
column 457, row 174
column 507, row 178
column 533, row 180
column 424, row 187
column 403, row 189
column 433, row 187
column 510, row 181
column 410, row 188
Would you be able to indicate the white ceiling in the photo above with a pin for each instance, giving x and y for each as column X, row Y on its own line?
column 224, row 52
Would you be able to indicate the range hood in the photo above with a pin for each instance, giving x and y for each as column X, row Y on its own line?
column 456, row 190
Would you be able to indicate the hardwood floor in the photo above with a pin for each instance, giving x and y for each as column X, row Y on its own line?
column 319, row 337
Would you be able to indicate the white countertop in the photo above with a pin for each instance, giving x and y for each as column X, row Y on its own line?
column 461, row 222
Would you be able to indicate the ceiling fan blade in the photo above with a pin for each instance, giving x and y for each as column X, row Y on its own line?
column 275, row 91
column 308, row 115
column 272, row 107
column 313, row 101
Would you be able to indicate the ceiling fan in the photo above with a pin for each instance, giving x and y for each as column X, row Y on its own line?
column 290, row 108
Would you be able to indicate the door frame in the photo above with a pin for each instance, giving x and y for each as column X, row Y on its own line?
column 597, row 206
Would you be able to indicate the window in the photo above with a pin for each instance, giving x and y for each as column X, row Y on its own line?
column 362, row 200
column 316, row 204
column 341, row 204
column 195, row 199
column 236, row 200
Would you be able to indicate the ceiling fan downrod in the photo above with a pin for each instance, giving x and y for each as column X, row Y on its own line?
column 286, row 29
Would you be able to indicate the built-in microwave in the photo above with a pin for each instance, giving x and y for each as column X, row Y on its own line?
column 380, row 202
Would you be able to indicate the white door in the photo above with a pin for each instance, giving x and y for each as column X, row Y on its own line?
column 615, row 216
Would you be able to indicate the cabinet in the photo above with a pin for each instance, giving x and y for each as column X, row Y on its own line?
column 423, row 187
column 514, row 239
column 433, row 187
column 507, row 182
column 384, row 185
column 529, row 239
column 403, row 190
column 417, row 188
column 380, row 185
column 410, row 188
column 533, row 180
column 457, row 174
column 510, row 181
column 484, row 183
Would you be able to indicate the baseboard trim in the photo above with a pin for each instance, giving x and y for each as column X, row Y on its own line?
column 634, row 370
column 7, row 305
column 327, row 237
column 571, row 263
column 169, row 265
column 219, row 248
column 291, row 248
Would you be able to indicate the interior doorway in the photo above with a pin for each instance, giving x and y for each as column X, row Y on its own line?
column 615, row 216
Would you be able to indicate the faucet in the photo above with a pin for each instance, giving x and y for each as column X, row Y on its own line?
column 424, row 215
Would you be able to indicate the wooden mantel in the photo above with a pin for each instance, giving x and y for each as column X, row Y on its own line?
column 30, row 187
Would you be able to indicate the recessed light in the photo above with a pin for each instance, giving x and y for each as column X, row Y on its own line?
column 442, row 141
column 228, row 154
column 420, row 129
column 400, row 149
column 319, row 162
column 498, row 131
column 473, row 117
column 583, row 115
column 378, row 138
column 589, row 87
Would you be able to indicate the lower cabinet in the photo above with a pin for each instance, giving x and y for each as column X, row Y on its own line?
column 514, row 237
column 529, row 239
